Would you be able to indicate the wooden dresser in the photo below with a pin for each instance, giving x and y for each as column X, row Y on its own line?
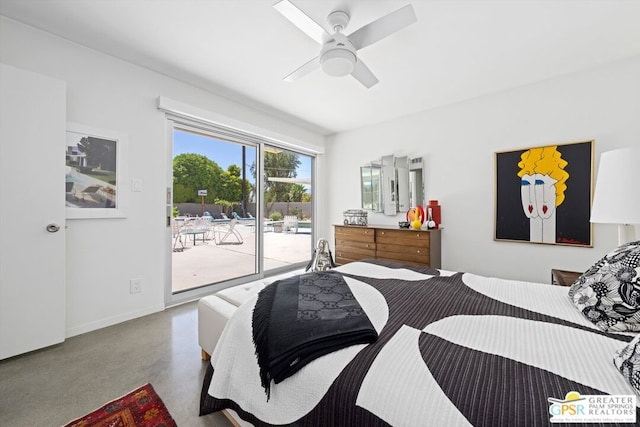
column 415, row 247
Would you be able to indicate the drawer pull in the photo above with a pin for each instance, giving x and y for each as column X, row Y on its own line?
column 418, row 235
column 418, row 250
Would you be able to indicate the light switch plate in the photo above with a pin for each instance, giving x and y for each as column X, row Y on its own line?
column 136, row 185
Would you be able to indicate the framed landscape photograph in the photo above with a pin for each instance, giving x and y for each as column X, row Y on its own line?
column 95, row 172
column 544, row 194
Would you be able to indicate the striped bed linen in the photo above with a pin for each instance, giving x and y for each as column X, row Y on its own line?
column 454, row 349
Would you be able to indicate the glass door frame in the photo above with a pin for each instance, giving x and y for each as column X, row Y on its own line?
column 259, row 144
column 312, row 156
column 172, row 298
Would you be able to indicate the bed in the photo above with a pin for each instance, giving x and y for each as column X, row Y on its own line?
column 452, row 349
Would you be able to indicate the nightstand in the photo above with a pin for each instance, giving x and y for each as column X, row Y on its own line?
column 564, row 277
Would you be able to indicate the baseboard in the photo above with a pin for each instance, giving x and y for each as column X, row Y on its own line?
column 110, row 321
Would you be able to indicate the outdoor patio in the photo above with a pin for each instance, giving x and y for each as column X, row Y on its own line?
column 206, row 262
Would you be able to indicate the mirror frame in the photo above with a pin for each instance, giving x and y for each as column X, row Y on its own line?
column 399, row 181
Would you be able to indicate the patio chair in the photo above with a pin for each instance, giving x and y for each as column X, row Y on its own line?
column 202, row 225
column 226, row 234
column 290, row 223
column 224, row 218
column 176, row 230
column 241, row 219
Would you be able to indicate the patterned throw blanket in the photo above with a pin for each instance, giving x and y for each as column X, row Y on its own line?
column 299, row 319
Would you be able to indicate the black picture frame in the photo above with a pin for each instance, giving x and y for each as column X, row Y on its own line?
column 531, row 171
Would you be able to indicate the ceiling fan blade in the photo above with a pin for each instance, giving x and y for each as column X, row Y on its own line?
column 301, row 20
column 383, row 27
column 363, row 74
column 303, row 70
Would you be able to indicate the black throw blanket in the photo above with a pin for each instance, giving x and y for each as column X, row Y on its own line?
column 301, row 318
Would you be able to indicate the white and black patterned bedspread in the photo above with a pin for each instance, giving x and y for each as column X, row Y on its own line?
column 453, row 349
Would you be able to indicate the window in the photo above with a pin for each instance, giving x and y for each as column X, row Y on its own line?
column 228, row 226
column 288, row 207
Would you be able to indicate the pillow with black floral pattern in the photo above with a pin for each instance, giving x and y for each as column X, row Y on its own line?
column 608, row 294
column 627, row 360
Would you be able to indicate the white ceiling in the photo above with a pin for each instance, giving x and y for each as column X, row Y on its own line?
column 242, row 49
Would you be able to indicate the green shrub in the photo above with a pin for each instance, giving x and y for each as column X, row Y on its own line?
column 298, row 213
column 275, row 216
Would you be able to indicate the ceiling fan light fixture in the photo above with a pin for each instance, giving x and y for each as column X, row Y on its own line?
column 338, row 62
column 338, row 56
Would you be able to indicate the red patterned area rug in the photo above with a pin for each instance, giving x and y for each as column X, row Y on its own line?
column 140, row 408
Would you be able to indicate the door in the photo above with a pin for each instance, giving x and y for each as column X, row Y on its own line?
column 238, row 208
column 32, row 137
column 214, row 209
column 288, row 209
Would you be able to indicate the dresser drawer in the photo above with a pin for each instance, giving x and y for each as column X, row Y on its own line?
column 419, row 260
column 346, row 243
column 355, row 253
column 350, row 255
column 402, row 237
column 356, row 234
column 418, row 250
column 422, row 259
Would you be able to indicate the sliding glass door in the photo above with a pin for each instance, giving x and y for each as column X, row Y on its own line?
column 288, row 208
column 227, row 225
column 214, row 210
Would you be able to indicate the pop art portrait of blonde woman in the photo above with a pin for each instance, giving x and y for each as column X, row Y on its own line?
column 543, row 194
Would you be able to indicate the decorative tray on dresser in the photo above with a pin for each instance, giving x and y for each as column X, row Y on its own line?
column 415, row 247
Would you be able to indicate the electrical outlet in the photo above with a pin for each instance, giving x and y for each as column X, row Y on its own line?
column 135, row 286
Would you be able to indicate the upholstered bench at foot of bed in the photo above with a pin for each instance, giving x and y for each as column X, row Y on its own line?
column 214, row 310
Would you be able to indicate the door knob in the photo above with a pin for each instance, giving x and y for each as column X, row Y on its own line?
column 52, row 228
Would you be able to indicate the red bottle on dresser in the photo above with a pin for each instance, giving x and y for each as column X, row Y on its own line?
column 435, row 212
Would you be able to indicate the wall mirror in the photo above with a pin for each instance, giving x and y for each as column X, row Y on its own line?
column 403, row 188
column 416, row 183
column 370, row 187
column 392, row 184
column 389, row 185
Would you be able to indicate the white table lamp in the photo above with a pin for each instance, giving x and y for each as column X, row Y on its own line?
column 617, row 196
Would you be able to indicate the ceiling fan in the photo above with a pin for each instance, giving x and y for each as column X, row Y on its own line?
column 338, row 56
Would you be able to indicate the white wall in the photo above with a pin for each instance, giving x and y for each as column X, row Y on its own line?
column 106, row 93
column 458, row 143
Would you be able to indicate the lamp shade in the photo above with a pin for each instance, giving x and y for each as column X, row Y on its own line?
column 617, row 196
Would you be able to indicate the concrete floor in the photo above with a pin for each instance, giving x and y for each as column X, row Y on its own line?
column 205, row 262
column 53, row 386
